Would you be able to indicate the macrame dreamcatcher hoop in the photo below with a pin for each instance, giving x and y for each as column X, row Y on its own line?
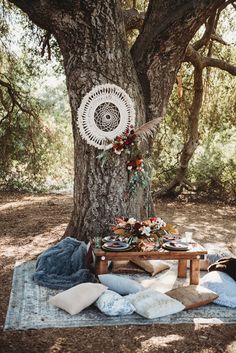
column 105, row 113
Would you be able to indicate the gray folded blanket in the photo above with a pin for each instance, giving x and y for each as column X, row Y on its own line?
column 63, row 265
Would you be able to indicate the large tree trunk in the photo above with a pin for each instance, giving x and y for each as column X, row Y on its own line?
column 100, row 194
column 92, row 39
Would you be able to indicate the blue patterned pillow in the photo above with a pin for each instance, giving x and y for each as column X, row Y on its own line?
column 223, row 285
column 113, row 304
column 121, row 285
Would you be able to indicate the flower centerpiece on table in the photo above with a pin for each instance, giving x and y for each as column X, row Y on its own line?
column 147, row 234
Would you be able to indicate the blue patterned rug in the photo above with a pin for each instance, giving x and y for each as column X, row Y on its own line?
column 29, row 307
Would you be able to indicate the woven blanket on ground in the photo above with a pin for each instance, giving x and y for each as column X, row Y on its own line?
column 63, row 265
column 29, row 307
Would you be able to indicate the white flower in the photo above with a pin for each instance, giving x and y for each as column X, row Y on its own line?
column 131, row 221
column 118, row 151
column 146, row 231
column 129, row 167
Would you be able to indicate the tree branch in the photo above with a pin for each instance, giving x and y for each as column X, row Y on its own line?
column 190, row 146
column 45, row 14
column 133, row 19
column 221, row 64
column 210, row 28
column 16, row 99
column 160, row 47
column 195, row 57
column 45, row 41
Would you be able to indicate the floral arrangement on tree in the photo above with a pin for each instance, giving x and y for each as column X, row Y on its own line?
column 147, row 233
column 128, row 142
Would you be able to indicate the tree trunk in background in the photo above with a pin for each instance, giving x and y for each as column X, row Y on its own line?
column 92, row 39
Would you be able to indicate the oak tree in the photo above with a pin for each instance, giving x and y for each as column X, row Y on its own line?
column 91, row 35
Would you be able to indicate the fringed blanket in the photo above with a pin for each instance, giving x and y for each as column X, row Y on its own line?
column 63, row 266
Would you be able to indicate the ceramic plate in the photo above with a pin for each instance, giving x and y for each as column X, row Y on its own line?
column 176, row 246
column 117, row 245
column 117, row 249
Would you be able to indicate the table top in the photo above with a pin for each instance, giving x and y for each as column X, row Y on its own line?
column 196, row 249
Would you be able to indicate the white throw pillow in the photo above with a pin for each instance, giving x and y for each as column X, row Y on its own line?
column 151, row 266
column 113, row 304
column 151, row 304
column 79, row 297
column 119, row 284
column 223, row 285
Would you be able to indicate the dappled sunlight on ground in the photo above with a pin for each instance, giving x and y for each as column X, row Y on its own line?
column 35, row 245
column 209, row 222
column 155, row 343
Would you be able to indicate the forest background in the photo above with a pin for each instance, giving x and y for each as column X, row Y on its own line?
column 36, row 144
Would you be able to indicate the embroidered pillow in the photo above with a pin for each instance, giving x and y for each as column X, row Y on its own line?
column 151, row 304
column 193, row 296
column 151, row 266
column 223, row 285
column 113, row 304
column 77, row 298
column 119, row 284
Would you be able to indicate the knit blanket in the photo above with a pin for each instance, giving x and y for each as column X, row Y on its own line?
column 63, row 265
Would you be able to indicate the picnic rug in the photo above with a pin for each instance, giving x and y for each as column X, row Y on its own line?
column 29, row 307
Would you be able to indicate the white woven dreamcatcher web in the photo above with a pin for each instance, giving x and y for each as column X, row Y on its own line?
column 105, row 113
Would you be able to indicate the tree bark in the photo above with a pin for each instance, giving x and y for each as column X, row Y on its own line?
column 100, row 194
column 92, row 39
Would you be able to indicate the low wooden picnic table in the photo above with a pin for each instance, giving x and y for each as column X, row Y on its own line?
column 194, row 254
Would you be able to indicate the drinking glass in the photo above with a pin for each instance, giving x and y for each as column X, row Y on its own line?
column 97, row 242
column 188, row 237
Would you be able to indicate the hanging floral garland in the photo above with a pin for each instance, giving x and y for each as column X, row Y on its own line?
column 128, row 142
column 106, row 119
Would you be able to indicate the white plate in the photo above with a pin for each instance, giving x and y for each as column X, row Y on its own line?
column 116, row 245
column 176, row 246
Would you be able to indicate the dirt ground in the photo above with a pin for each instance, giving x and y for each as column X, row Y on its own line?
column 30, row 224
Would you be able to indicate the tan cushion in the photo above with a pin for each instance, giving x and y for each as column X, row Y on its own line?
column 79, row 297
column 151, row 266
column 125, row 266
column 193, row 296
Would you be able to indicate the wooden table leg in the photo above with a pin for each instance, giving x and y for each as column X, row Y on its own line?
column 101, row 265
column 194, row 271
column 182, row 268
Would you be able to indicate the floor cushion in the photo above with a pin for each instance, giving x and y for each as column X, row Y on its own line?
column 125, row 266
column 223, row 285
column 225, row 264
column 119, row 284
column 77, row 298
column 112, row 304
column 151, row 304
column 151, row 266
column 193, row 296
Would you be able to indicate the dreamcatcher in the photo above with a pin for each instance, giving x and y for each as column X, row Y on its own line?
column 105, row 113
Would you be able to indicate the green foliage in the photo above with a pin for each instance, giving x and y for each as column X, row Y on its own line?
column 212, row 169
column 35, row 130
